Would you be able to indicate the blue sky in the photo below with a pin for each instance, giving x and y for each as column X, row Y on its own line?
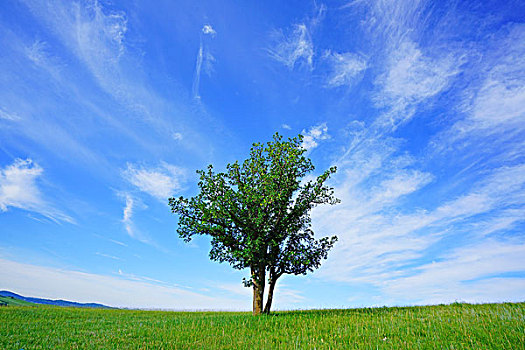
column 107, row 108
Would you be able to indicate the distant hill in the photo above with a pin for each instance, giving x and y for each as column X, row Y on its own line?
column 11, row 298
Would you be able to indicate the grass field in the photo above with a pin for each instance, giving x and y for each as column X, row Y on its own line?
column 456, row 326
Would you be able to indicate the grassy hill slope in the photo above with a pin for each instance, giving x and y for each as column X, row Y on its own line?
column 456, row 326
column 10, row 301
column 57, row 302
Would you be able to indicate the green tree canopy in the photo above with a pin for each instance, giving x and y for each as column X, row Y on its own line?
column 258, row 215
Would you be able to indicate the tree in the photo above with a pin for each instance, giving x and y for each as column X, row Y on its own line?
column 258, row 215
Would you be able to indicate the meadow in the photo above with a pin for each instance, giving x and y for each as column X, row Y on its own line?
column 455, row 326
column 13, row 302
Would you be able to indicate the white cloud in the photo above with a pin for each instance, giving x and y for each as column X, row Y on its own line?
column 401, row 183
column 410, row 79
column 504, row 220
column 18, row 185
column 118, row 242
column 391, row 21
column 498, row 104
column 468, row 274
column 208, row 29
column 197, row 75
column 286, row 126
column 97, row 36
column 414, row 72
column 52, row 283
column 129, row 225
column 379, row 236
column 413, row 77
column 376, row 243
column 38, row 53
column 294, row 47
column 381, row 245
column 127, row 215
column 487, row 128
column 102, row 34
column 177, row 136
column 314, row 134
column 318, row 17
column 161, row 182
column 205, row 57
column 134, row 277
column 4, row 114
column 346, row 68
column 19, row 189
column 108, row 256
column 209, row 61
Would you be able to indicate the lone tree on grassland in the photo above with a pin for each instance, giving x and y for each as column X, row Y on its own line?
column 258, row 215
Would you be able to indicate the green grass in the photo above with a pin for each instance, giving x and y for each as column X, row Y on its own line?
column 456, row 326
column 10, row 301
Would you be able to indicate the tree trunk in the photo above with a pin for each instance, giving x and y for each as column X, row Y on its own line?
column 258, row 291
column 270, row 296
column 257, row 300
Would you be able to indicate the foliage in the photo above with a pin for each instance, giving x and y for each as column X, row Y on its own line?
column 257, row 214
column 458, row 326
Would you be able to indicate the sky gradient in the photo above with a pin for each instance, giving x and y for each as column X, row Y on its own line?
column 107, row 108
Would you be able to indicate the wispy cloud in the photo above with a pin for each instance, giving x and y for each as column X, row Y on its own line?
column 38, row 54
column 19, row 189
column 293, row 47
column 109, row 256
column 380, row 238
column 134, row 277
column 377, row 244
column 411, row 78
column 118, row 242
column 132, row 205
column 386, row 240
column 373, row 179
column 345, row 68
column 26, row 112
column 205, row 57
column 468, row 273
column 4, row 114
column 391, row 22
column 413, row 73
column 97, row 35
column 497, row 104
column 160, row 182
column 197, row 75
column 127, row 216
column 412, row 210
